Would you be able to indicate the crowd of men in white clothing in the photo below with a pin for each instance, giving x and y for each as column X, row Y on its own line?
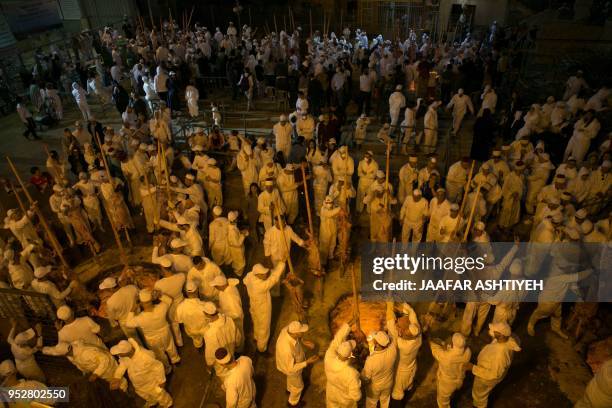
column 199, row 245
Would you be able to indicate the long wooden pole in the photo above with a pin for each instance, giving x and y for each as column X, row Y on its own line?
column 310, row 13
column 52, row 238
column 111, row 180
column 466, row 189
column 19, row 200
column 287, row 247
column 308, row 210
column 474, row 204
column 161, row 161
column 387, row 176
column 275, row 26
column 356, row 316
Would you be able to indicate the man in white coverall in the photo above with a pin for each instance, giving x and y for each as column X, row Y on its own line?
column 93, row 361
column 237, row 379
column 397, row 101
column 291, row 359
column 460, row 104
column 154, row 326
column 221, row 332
column 366, row 170
column 598, row 393
column 203, row 272
column 120, row 304
column 430, row 124
column 171, row 284
column 190, row 312
column 277, row 242
column 230, row 303
column 493, row 363
column 282, row 134
column 452, row 360
column 80, row 328
column 413, row 214
column 343, row 387
column 456, row 178
column 259, row 282
column 379, row 369
column 407, row 332
column 144, row 371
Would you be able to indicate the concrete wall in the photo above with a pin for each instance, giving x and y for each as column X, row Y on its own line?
column 486, row 11
column 80, row 14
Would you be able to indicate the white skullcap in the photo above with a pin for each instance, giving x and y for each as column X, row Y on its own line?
column 232, row 215
column 557, row 217
column 381, row 338
column 42, row 271
column 572, row 233
column 209, row 308
column 416, row 192
column 458, row 340
column 211, row 161
column 345, row 349
column 581, row 214
column 7, row 367
column 122, row 347
column 268, row 183
column 25, row 336
column 297, row 327
column 217, row 210
column 108, row 283
column 259, row 269
column 218, row 280
column 380, row 174
column 64, row 313
column 164, row 262
column 197, row 148
column 332, row 140
column 189, row 176
column 226, row 359
column 190, row 286
column 177, row 243
column 398, row 87
column 501, row 328
column 433, row 160
column 282, row 117
column 516, row 267
column 173, row 179
column 454, row 207
column 57, row 188
column 480, row 226
column 145, row 295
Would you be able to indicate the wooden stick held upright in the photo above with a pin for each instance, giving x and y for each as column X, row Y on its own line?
column 469, row 223
column 17, row 197
column 52, row 238
column 466, row 189
column 111, row 180
column 387, row 165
